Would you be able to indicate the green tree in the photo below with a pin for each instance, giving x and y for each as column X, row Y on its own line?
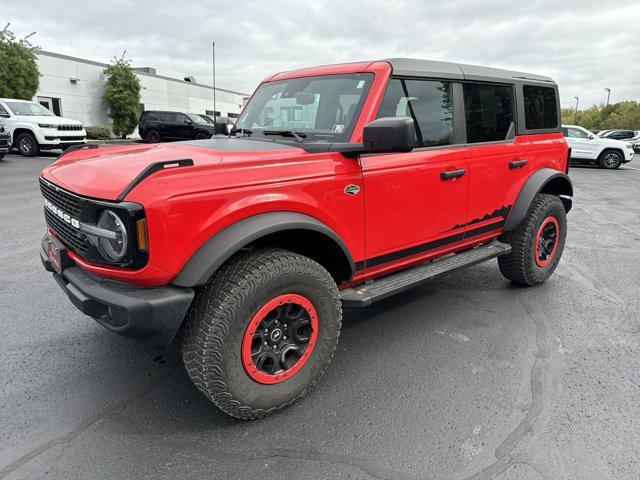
column 122, row 96
column 623, row 115
column 19, row 75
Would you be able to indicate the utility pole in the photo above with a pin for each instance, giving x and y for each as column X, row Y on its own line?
column 213, row 51
column 608, row 90
column 575, row 115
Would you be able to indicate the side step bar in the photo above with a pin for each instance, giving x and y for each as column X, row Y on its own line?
column 366, row 294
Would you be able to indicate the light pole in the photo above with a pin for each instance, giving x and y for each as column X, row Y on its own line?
column 213, row 58
column 575, row 115
column 608, row 90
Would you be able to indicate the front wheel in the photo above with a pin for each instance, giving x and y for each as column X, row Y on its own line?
column 537, row 243
column 202, row 136
column 153, row 136
column 262, row 331
column 610, row 159
column 27, row 145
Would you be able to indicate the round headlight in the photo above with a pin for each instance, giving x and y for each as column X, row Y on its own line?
column 112, row 249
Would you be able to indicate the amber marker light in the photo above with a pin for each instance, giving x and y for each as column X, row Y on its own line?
column 143, row 243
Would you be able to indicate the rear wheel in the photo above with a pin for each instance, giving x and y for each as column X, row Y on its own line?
column 27, row 145
column 262, row 331
column 537, row 243
column 610, row 159
column 153, row 136
column 202, row 136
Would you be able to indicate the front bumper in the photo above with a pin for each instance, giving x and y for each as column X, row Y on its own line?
column 5, row 143
column 150, row 314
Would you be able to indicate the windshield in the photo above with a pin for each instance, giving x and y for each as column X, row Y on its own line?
column 29, row 109
column 323, row 108
column 195, row 118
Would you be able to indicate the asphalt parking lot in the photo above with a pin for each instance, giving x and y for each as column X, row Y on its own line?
column 466, row 377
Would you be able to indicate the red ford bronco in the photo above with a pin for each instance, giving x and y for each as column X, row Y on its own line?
column 339, row 186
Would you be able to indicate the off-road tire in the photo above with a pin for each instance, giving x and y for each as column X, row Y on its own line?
column 27, row 145
column 520, row 265
column 221, row 312
column 603, row 161
column 153, row 136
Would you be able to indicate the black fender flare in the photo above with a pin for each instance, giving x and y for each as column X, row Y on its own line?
column 545, row 180
column 221, row 246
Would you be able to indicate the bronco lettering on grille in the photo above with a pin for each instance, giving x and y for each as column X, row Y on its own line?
column 61, row 214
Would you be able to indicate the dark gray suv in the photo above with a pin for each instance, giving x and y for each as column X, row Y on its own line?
column 157, row 126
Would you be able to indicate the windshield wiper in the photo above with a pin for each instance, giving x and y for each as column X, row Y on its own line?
column 299, row 136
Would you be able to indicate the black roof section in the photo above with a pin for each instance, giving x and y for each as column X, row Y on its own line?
column 410, row 67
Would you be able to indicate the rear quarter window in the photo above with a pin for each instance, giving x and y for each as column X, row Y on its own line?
column 540, row 108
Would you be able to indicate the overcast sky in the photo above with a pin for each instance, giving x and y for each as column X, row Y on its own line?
column 585, row 45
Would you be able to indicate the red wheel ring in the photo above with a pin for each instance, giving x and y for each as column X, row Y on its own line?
column 546, row 241
column 279, row 338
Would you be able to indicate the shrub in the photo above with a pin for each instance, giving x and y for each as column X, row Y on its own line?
column 98, row 132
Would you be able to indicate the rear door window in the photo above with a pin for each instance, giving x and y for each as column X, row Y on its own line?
column 540, row 108
column 488, row 111
column 429, row 103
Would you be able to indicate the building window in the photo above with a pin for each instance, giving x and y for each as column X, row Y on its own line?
column 429, row 103
column 488, row 111
column 233, row 115
column 51, row 104
column 213, row 113
column 540, row 107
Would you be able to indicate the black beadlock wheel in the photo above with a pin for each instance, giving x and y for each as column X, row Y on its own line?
column 27, row 145
column 537, row 243
column 261, row 331
column 610, row 159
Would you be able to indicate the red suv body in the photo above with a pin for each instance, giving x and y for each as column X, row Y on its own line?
column 365, row 168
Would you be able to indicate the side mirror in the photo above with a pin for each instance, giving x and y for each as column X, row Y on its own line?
column 590, row 137
column 389, row 134
column 221, row 126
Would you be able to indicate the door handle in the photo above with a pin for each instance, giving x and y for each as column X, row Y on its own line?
column 517, row 164
column 452, row 174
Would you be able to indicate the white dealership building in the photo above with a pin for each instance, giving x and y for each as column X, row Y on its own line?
column 72, row 87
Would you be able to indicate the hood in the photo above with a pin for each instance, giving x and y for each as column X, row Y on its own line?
column 104, row 173
column 612, row 142
column 51, row 120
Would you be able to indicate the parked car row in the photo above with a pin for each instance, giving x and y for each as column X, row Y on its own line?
column 157, row 126
column 587, row 147
column 619, row 134
column 31, row 127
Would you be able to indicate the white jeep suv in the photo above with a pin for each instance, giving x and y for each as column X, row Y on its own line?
column 34, row 128
column 589, row 148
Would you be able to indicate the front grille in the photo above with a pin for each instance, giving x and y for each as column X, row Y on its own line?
column 69, row 127
column 71, row 204
column 71, row 237
column 61, row 198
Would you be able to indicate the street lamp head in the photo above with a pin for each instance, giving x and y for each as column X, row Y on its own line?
column 607, row 89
